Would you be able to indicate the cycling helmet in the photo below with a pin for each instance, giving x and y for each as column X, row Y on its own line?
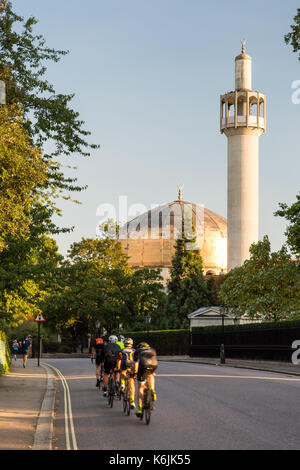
column 143, row 345
column 113, row 338
column 128, row 342
column 122, row 338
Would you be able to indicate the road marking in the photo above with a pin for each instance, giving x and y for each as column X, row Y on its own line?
column 229, row 377
column 71, row 442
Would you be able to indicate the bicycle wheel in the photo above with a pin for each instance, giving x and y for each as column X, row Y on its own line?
column 111, row 391
column 127, row 391
column 148, row 405
column 124, row 402
column 118, row 390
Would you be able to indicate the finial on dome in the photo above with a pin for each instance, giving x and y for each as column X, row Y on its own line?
column 180, row 188
column 243, row 41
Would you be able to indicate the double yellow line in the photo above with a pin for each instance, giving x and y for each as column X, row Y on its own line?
column 71, row 443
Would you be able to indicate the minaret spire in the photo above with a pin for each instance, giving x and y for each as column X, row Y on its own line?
column 243, row 41
column 180, row 188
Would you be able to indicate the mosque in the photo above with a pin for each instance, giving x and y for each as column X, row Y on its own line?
column 149, row 239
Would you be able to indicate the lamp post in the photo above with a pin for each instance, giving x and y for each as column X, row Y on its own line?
column 2, row 93
column 222, row 347
column 148, row 320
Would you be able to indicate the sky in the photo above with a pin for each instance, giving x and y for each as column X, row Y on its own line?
column 147, row 77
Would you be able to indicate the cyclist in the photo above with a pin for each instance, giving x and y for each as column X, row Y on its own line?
column 97, row 348
column 126, row 362
column 121, row 342
column 109, row 357
column 146, row 364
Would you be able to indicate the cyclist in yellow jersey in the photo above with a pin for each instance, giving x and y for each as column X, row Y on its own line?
column 126, row 362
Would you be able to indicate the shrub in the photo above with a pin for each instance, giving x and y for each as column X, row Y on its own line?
column 5, row 356
column 165, row 342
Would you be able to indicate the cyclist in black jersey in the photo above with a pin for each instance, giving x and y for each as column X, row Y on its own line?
column 109, row 357
column 97, row 348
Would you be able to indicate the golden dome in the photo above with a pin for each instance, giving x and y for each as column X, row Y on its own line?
column 149, row 239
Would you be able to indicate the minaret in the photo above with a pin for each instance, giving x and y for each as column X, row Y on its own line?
column 242, row 119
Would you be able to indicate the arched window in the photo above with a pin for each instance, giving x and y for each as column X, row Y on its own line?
column 160, row 224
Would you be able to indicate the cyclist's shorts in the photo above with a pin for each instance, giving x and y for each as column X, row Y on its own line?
column 142, row 372
column 130, row 368
column 98, row 360
column 109, row 364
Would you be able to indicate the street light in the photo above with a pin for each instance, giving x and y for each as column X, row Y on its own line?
column 148, row 320
column 222, row 347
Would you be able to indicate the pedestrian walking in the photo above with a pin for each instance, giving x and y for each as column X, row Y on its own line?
column 15, row 348
column 25, row 348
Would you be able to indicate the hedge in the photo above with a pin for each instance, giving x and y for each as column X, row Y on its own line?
column 165, row 342
column 5, row 356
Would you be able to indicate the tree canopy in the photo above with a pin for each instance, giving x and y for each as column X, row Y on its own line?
column 186, row 289
column 292, row 215
column 293, row 37
column 267, row 286
column 22, row 171
column 95, row 286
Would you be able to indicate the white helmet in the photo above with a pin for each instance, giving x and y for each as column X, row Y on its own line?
column 113, row 339
column 122, row 338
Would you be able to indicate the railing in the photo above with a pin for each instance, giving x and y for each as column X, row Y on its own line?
column 238, row 351
column 242, row 120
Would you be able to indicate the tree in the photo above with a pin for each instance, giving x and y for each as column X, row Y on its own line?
column 97, row 287
column 27, row 277
column 293, row 37
column 267, row 286
column 292, row 214
column 48, row 115
column 214, row 284
column 22, row 171
column 186, row 289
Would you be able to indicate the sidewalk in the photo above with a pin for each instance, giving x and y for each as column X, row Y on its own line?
column 22, row 393
column 27, row 398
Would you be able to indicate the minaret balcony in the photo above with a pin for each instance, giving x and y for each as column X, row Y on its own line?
column 243, row 109
column 242, row 121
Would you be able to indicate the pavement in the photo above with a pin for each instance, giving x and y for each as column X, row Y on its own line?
column 27, row 397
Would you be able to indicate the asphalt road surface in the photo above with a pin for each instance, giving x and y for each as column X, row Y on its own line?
column 199, row 407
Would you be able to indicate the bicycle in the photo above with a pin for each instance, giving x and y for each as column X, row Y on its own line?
column 113, row 389
column 147, row 406
column 126, row 394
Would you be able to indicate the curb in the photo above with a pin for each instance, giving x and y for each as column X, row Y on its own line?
column 241, row 366
column 44, row 430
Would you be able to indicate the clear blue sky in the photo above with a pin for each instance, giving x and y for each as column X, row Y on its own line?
column 147, row 75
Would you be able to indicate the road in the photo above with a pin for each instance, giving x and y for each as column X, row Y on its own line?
column 199, row 407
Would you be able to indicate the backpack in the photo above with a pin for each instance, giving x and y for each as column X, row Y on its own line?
column 148, row 359
column 112, row 351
